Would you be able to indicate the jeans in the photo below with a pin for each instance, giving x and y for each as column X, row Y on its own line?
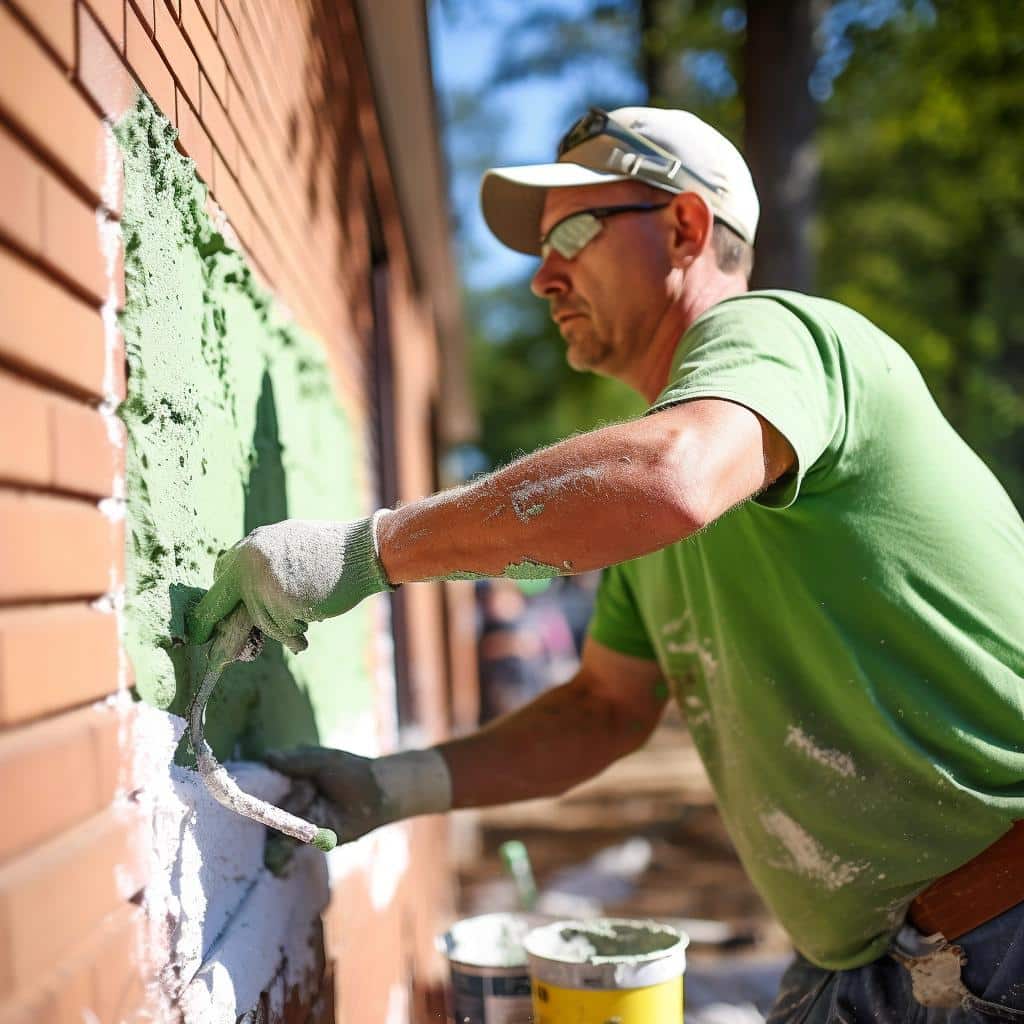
column 990, row 986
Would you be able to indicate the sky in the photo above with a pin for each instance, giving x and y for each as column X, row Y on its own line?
column 529, row 116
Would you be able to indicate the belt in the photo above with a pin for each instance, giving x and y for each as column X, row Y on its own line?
column 983, row 888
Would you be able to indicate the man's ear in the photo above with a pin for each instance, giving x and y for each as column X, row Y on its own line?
column 692, row 222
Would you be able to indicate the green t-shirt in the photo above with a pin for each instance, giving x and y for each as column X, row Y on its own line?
column 848, row 647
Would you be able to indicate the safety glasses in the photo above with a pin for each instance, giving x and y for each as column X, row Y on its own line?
column 571, row 234
column 640, row 157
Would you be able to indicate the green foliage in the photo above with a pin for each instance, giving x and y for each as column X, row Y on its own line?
column 922, row 218
column 527, row 393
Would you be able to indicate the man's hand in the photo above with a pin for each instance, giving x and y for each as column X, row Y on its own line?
column 292, row 573
column 355, row 795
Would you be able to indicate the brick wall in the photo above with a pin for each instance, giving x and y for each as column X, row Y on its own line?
column 273, row 102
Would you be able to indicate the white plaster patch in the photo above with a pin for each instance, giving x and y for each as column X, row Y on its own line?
column 694, row 649
column 526, row 498
column 807, row 856
column 217, row 921
column 836, row 760
column 398, row 1005
column 674, row 625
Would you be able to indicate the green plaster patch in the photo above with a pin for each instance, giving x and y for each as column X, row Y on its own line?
column 232, row 423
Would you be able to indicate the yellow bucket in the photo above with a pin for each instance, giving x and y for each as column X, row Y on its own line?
column 609, row 970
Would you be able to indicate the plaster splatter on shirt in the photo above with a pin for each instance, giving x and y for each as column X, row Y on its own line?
column 834, row 759
column 807, row 856
column 524, row 497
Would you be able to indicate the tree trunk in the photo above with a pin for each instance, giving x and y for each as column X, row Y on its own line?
column 779, row 138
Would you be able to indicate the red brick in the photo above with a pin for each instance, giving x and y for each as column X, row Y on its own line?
column 54, row 20
column 149, row 66
column 176, row 51
column 230, row 46
column 50, row 110
column 194, row 139
column 100, row 69
column 46, row 329
column 144, row 9
column 55, row 657
column 84, row 458
column 24, row 414
column 21, row 210
column 232, row 201
column 101, row 980
column 71, row 238
column 110, row 14
column 54, row 775
column 54, row 548
column 53, row 897
column 215, row 117
column 205, row 45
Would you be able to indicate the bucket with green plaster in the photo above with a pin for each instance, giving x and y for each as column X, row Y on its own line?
column 611, row 970
column 490, row 980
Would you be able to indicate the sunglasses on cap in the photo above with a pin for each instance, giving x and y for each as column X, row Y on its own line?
column 642, row 158
column 572, row 234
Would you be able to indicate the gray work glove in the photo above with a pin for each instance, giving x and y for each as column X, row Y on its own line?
column 355, row 795
column 291, row 573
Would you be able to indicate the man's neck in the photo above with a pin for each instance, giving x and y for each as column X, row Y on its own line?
column 679, row 315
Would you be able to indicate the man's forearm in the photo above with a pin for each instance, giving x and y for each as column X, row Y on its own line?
column 562, row 738
column 585, row 503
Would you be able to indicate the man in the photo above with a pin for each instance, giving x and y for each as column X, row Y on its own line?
column 827, row 579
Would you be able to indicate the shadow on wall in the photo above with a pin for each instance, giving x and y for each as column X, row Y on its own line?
column 248, row 695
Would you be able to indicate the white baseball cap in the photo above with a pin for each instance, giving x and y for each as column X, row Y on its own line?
column 672, row 150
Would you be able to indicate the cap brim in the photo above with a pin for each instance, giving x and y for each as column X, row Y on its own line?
column 512, row 199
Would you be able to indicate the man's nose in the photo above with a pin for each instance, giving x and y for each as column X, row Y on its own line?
column 550, row 278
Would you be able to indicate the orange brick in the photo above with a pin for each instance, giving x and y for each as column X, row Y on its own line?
column 100, row 69
column 54, row 657
column 144, row 9
column 230, row 45
column 71, row 238
column 149, row 66
column 50, row 109
column 232, row 201
column 110, row 14
column 24, row 414
column 21, row 210
column 215, row 117
column 53, row 897
column 54, row 548
column 54, row 20
column 176, row 51
column 194, row 140
column 101, row 980
column 46, row 329
column 84, row 458
column 55, row 774
column 205, row 45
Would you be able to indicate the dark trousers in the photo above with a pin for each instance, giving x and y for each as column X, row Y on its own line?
column 990, row 986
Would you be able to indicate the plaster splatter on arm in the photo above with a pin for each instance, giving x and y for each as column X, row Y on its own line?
column 234, row 641
column 585, row 503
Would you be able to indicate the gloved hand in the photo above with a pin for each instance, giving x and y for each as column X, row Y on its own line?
column 291, row 573
column 355, row 795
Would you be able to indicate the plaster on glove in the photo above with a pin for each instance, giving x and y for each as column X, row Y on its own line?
column 358, row 794
column 236, row 640
column 291, row 573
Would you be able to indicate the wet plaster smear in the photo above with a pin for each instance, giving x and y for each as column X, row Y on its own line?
column 232, row 423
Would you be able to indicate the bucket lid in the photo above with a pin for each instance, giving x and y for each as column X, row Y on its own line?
column 490, row 940
column 608, row 953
